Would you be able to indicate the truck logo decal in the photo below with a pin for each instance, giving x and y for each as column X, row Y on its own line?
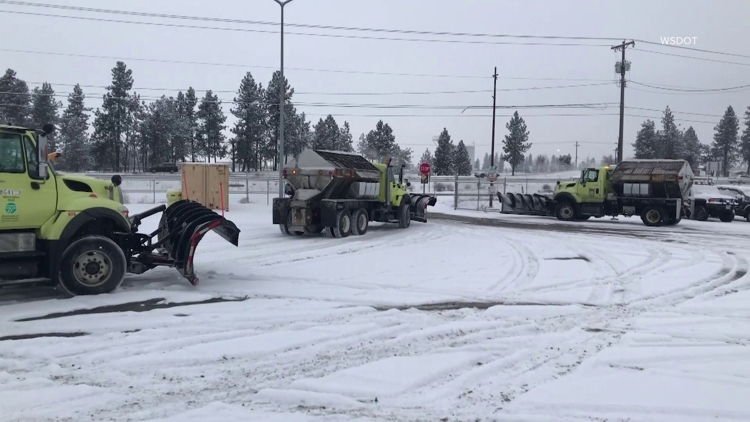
column 11, row 208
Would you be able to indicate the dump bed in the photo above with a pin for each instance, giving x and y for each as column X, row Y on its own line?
column 653, row 178
column 350, row 175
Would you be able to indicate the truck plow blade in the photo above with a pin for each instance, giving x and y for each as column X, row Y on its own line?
column 419, row 204
column 182, row 227
column 526, row 204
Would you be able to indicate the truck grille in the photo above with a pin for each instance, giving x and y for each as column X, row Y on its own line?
column 17, row 242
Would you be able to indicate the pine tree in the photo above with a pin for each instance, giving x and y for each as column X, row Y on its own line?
column 326, row 134
column 427, row 157
column 745, row 141
column 187, row 110
column 211, row 127
column 486, row 161
column 542, row 163
column 646, row 146
column 274, row 115
column 516, row 142
column 668, row 138
column 15, row 100
column 477, row 165
column 444, row 161
column 380, row 143
column 45, row 109
column 114, row 118
column 249, row 128
column 301, row 137
column 344, row 142
column 402, row 156
column 462, row 162
column 691, row 148
column 725, row 144
column 73, row 135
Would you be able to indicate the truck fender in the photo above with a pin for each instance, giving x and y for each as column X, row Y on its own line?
column 91, row 208
column 566, row 196
column 62, row 229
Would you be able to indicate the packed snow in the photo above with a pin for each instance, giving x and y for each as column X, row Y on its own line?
column 531, row 320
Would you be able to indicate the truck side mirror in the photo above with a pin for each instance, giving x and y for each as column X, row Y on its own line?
column 42, row 156
column 116, row 180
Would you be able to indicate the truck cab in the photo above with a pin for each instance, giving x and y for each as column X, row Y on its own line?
column 584, row 197
column 42, row 211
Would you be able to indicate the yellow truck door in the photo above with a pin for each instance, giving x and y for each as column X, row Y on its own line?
column 25, row 203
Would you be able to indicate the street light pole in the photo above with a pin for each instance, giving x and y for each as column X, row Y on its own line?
column 282, row 92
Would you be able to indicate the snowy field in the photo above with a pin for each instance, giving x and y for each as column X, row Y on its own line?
column 495, row 317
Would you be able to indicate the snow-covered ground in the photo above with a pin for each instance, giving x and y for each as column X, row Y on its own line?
column 529, row 320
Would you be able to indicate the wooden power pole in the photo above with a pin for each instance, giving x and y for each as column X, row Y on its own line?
column 621, row 69
column 492, row 154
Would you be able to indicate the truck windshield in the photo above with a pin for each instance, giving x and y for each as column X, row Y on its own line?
column 11, row 154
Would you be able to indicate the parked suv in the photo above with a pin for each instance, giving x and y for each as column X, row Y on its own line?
column 164, row 168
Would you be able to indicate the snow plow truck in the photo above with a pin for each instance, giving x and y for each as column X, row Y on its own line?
column 74, row 232
column 655, row 190
column 339, row 193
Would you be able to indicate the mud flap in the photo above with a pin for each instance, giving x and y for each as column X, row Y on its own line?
column 182, row 227
column 419, row 204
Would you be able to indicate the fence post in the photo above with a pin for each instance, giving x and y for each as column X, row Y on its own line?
column 455, row 194
column 154, row 189
column 247, row 187
column 268, row 191
column 527, row 183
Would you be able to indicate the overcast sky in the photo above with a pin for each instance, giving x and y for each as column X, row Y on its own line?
column 719, row 26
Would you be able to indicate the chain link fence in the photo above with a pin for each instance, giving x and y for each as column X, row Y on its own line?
column 461, row 192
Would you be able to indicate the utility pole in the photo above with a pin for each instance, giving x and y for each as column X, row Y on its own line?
column 576, row 154
column 492, row 154
column 282, row 111
column 621, row 69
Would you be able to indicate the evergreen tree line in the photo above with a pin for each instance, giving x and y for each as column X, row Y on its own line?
column 127, row 134
column 729, row 147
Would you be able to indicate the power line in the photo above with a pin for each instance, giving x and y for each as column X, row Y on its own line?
column 695, row 49
column 345, row 28
column 340, row 93
column 358, row 72
column 302, row 25
column 690, row 57
column 690, row 89
column 310, row 34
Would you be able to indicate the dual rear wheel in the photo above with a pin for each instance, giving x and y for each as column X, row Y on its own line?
column 348, row 223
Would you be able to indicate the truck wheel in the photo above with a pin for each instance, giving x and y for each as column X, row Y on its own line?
column 361, row 221
column 565, row 211
column 92, row 265
column 701, row 213
column 404, row 213
column 653, row 216
column 674, row 221
column 343, row 224
column 285, row 227
column 727, row 216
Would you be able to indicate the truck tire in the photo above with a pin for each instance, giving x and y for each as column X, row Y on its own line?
column 284, row 227
column 92, row 265
column 726, row 216
column 653, row 216
column 565, row 211
column 360, row 222
column 343, row 226
column 404, row 213
column 701, row 213
column 674, row 221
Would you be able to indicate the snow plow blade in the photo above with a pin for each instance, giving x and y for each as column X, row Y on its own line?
column 182, row 227
column 526, row 204
column 419, row 204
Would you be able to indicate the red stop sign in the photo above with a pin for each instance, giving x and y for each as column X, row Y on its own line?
column 424, row 168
